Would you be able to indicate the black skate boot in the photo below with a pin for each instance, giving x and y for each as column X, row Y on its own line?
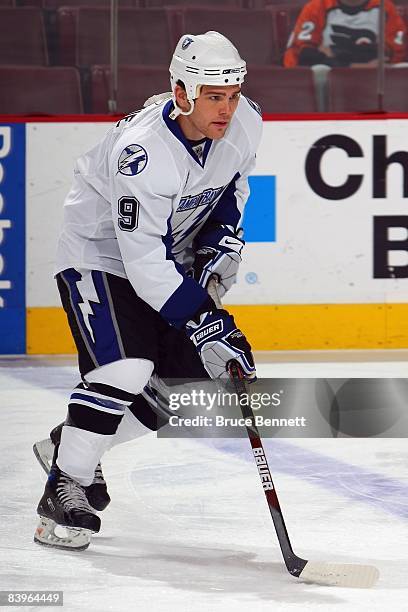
column 65, row 503
column 96, row 492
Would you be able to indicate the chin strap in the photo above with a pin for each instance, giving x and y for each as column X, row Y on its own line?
column 178, row 111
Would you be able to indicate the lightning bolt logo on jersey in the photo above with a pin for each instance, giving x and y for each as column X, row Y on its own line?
column 133, row 160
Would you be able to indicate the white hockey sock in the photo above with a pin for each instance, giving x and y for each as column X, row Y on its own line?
column 80, row 451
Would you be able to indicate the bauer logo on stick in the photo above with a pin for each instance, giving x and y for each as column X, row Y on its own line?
column 132, row 160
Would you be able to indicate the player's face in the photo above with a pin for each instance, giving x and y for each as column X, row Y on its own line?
column 213, row 111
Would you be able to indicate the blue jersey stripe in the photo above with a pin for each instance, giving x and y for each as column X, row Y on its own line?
column 105, row 403
column 184, row 303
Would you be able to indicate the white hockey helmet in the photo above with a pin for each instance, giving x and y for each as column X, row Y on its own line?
column 204, row 59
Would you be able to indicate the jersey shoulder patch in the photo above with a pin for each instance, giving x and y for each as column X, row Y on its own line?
column 133, row 160
column 254, row 105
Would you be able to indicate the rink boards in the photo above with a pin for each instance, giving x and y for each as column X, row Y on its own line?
column 326, row 261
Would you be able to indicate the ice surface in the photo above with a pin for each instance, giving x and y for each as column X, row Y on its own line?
column 188, row 528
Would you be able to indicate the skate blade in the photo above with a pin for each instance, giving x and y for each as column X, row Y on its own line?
column 44, row 452
column 76, row 538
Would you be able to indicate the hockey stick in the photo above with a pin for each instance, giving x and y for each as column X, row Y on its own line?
column 333, row 574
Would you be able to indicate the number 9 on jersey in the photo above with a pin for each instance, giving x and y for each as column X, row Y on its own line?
column 128, row 209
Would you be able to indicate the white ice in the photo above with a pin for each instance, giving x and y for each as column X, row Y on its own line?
column 188, row 528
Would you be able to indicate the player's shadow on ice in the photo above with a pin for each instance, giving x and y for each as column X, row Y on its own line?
column 206, row 570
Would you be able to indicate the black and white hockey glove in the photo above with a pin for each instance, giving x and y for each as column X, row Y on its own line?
column 218, row 341
column 218, row 252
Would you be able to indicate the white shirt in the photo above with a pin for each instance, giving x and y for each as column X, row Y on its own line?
column 141, row 196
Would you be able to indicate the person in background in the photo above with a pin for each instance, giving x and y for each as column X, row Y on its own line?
column 343, row 33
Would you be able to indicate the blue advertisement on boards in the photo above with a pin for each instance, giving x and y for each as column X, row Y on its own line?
column 260, row 211
column 12, row 239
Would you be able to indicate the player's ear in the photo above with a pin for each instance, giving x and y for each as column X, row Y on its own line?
column 181, row 98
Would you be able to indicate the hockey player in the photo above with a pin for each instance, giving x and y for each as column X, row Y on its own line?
column 154, row 211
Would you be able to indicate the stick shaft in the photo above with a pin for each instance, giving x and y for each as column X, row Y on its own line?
column 293, row 563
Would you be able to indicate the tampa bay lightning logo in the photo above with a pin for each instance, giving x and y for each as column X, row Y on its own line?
column 132, row 160
column 186, row 43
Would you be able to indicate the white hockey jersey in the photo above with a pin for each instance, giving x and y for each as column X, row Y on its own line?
column 141, row 196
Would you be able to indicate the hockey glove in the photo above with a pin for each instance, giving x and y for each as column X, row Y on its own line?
column 218, row 252
column 218, row 341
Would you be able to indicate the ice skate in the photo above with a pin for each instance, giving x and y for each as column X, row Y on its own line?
column 97, row 492
column 64, row 503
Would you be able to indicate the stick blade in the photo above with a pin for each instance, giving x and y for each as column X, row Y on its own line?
column 340, row 574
